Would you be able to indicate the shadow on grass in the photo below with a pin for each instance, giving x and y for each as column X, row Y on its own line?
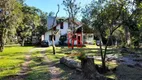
column 39, row 68
column 10, row 77
column 39, row 72
column 67, row 73
column 90, row 51
column 13, row 54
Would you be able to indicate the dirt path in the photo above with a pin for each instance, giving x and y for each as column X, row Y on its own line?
column 24, row 68
column 54, row 71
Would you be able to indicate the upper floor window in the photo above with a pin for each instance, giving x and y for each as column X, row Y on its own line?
column 54, row 28
column 61, row 25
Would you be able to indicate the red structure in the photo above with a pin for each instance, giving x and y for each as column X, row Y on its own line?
column 75, row 37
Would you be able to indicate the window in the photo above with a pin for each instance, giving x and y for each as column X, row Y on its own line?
column 54, row 28
column 61, row 25
column 50, row 37
column 90, row 36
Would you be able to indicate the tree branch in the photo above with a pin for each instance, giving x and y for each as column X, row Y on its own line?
column 56, row 15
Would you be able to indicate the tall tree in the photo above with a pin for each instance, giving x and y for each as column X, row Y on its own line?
column 14, row 22
column 42, row 28
column 29, row 23
column 113, row 22
column 7, row 19
column 53, row 31
column 134, row 21
column 106, row 18
column 72, row 8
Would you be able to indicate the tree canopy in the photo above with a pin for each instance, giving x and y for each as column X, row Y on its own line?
column 110, row 18
column 19, row 21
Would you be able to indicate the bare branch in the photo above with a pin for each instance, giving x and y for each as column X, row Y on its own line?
column 56, row 15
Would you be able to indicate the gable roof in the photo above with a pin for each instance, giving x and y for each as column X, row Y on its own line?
column 66, row 20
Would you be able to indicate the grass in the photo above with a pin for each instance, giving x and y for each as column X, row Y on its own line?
column 39, row 68
column 59, row 53
column 10, row 60
column 65, row 72
column 89, row 50
column 12, row 57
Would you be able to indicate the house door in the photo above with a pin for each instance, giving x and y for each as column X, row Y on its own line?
column 78, row 40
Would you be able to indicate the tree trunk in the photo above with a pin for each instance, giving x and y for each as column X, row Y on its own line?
column 104, row 65
column 102, row 57
column 23, row 42
column 89, row 69
column 71, row 63
column 53, row 45
column 1, row 41
column 1, row 48
column 1, row 45
column 127, row 36
column 54, row 52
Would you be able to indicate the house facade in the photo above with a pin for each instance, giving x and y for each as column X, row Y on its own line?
column 88, row 38
column 62, row 28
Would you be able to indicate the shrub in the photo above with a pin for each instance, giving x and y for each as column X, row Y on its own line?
column 62, row 39
column 82, row 56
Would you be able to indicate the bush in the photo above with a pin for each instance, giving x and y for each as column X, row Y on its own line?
column 62, row 39
column 82, row 56
column 94, row 42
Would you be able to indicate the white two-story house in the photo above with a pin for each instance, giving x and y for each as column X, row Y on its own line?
column 61, row 27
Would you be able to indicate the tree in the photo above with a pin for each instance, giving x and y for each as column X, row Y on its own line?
column 72, row 8
column 19, row 20
column 86, row 26
column 113, row 22
column 7, row 19
column 52, row 31
column 42, row 28
column 134, row 22
column 106, row 18
column 29, row 23
column 51, row 14
column 14, row 22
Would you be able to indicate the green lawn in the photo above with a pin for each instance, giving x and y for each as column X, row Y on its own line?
column 89, row 50
column 11, row 59
column 39, row 68
column 59, row 53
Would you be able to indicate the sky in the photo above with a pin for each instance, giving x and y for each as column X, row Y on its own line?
column 51, row 5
